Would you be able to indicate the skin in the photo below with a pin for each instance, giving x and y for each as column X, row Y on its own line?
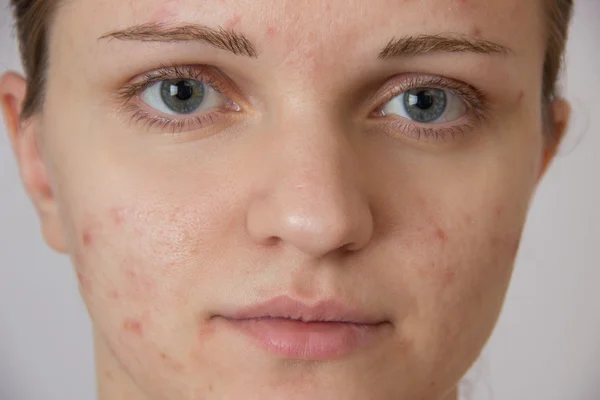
column 302, row 192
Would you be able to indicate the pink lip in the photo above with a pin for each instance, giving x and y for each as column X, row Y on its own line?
column 326, row 330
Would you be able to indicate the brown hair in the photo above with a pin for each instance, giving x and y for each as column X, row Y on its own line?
column 33, row 18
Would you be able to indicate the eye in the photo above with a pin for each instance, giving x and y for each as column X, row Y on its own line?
column 426, row 105
column 182, row 96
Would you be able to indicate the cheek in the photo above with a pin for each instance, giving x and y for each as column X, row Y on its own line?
column 135, row 265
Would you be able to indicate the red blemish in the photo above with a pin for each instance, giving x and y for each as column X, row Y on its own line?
column 441, row 234
column 463, row 2
column 86, row 238
column 233, row 22
column 162, row 14
column 205, row 331
column 499, row 211
column 469, row 219
column 134, row 326
column 476, row 31
column 131, row 274
column 271, row 31
column 114, row 294
column 521, row 95
column 118, row 216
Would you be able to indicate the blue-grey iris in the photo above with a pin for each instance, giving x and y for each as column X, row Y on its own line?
column 425, row 105
column 182, row 96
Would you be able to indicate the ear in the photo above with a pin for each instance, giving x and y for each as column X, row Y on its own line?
column 560, row 112
column 25, row 140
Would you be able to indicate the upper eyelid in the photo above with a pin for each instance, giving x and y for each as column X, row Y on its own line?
column 143, row 81
column 475, row 99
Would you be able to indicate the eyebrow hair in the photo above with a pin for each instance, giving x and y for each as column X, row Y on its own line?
column 221, row 38
column 456, row 43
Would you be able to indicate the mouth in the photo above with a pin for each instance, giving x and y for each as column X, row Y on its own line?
column 289, row 328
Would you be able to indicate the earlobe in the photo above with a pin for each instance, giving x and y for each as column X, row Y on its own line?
column 26, row 147
column 561, row 113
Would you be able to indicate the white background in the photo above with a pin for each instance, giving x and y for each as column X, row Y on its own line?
column 547, row 342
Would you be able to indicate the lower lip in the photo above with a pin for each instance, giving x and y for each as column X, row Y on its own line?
column 308, row 340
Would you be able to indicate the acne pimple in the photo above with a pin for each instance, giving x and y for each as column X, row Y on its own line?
column 134, row 326
column 86, row 238
column 441, row 235
column 271, row 31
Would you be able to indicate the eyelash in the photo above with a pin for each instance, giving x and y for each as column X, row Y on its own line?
column 204, row 74
column 475, row 100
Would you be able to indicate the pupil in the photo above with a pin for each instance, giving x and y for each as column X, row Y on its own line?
column 184, row 90
column 424, row 100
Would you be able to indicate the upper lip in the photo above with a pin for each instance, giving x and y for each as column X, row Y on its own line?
column 330, row 310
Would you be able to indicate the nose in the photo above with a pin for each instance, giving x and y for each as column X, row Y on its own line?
column 312, row 194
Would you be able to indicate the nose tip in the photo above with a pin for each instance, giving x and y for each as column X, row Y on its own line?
column 317, row 209
column 316, row 225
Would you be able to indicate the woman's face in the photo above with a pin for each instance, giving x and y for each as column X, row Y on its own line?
column 379, row 153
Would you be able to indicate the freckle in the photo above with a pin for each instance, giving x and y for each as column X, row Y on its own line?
column 210, row 387
column 134, row 326
column 108, row 375
column 86, row 238
column 441, row 234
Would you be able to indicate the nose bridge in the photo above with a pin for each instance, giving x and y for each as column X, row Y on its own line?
column 311, row 197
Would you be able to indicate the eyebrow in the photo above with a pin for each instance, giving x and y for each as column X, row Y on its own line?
column 456, row 43
column 239, row 44
column 220, row 38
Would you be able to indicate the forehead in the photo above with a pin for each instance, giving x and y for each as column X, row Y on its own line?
column 312, row 21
